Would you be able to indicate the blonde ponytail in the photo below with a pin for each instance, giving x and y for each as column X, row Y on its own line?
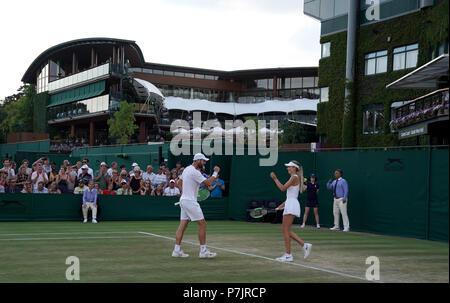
column 300, row 176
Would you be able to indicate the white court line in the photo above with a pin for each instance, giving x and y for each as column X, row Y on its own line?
column 73, row 233
column 265, row 258
column 72, row 238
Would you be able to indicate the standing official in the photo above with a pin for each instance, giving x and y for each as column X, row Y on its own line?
column 340, row 193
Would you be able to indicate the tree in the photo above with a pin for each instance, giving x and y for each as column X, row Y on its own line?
column 298, row 133
column 122, row 126
column 16, row 112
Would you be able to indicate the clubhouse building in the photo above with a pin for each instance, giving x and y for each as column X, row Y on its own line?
column 81, row 83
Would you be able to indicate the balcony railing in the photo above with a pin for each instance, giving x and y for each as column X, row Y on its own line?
column 421, row 109
column 79, row 78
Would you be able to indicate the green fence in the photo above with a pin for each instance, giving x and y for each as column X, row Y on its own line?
column 46, row 207
column 9, row 150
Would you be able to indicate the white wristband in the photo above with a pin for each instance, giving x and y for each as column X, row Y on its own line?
column 215, row 174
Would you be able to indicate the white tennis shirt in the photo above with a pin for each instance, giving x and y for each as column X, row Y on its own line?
column 192, row 178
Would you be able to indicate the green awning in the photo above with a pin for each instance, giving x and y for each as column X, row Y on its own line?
column 77, row 94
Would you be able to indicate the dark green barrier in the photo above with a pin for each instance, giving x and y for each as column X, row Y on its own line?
column 439, row 198
column 46, row 207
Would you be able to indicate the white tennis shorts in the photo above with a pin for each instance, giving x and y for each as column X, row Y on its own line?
column 292, row 207
column 190, row 210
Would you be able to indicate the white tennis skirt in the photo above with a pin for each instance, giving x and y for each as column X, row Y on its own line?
column 292, row 207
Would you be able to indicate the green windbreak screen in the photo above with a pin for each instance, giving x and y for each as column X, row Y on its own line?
column 76, row 94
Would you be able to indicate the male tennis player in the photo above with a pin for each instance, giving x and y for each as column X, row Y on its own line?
column 189, row 183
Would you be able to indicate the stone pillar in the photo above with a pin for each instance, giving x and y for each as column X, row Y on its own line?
column 74, row 63
column 91, row 133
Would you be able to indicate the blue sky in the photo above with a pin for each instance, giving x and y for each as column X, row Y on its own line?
column 215, row 34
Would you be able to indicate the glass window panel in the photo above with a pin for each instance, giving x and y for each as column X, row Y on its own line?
column 381, row 65
column 399, row 49
column 326, row 49
column 262, row 83
column 199, row 76
column 270, row 83
column 308, row 82
column 370, row 66
column 287, row 83
column 412, row 47
column 189, row 75
column 371, row 55
column 209, row 77
column 382, row 53
column 168, row 73
column 411, row 58
column 178, row 74
column 340, row 7
column 157, row 71
column 296, row 82
column 324, row 94
column 399, row 61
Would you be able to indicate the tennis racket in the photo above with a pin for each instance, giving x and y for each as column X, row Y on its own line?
column 203, row 194
column 259, row 212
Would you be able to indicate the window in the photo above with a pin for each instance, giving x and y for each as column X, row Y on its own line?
column 405, row 57
column 324, row 94
column 168, row 73
column 308, row 82
column 296, row 83
column 373, row 119
column 376, row 63
column 326, row 49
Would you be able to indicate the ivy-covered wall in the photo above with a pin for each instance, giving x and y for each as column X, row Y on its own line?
column 426, row 27
column 40, row 102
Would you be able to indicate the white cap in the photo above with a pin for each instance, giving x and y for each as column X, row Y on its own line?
column 200, row 156
column 136, row 168
column 103, row 163
column 123, row 181
column 292, row 164
column 85, row 167
column 172, row 181
column 134, row 164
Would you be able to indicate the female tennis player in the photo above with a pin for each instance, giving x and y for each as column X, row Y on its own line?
column 291, row 208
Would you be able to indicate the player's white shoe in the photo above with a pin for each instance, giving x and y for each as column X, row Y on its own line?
column 318, row 226
column 307, row 249
column 346, row 229
column 334, row 228
column 302, row 226
column 94, row 221
column 179, row 254
column 285, row 258
column 207, row 254
column 85, row 221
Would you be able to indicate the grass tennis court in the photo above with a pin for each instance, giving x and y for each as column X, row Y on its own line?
column 140, row 252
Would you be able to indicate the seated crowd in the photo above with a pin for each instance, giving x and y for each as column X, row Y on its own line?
column 44, row 177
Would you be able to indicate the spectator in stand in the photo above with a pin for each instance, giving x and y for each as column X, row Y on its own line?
column 136, row 181
column 65, row 163
column 124, row 189
column 11, row 174
column 78, row 166
column 46, row 166
column 172, row 190
column 102, row 177
column 85, row 175
column 158, row 190
column 22, row 178
column 40, row 189
column 146, row 189
column 52, row 175
column 123, row 167
column 90, row 201
column 3, row 175
column 62, row 180
column 160, row 178
column 72, row 181
column 80, row 188
column 178, row 167
column 26, row 163
column 113, row 167
column 123, row 176
column 168, row 177
column 39, row 176
column 97, row 187
column 27, row 189
column 149, row 175
column 86, row 164
column 115, row 180
column 53, row 188
column 217, row 188
column 131, row 173
column 110, row 189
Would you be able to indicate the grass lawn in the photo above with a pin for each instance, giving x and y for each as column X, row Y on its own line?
column 141, row 252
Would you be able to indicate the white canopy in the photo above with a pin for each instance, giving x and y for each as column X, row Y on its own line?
column 151, row 89
column 236, row 109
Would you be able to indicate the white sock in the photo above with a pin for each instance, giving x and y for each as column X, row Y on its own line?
column 177, row 248
column 202, row 248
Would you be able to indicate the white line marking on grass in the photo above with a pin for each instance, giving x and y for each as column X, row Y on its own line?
column 72, row 238
column 262, row 257
column 73, row 233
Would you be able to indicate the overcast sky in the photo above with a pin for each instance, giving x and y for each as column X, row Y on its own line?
column 215, row 34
